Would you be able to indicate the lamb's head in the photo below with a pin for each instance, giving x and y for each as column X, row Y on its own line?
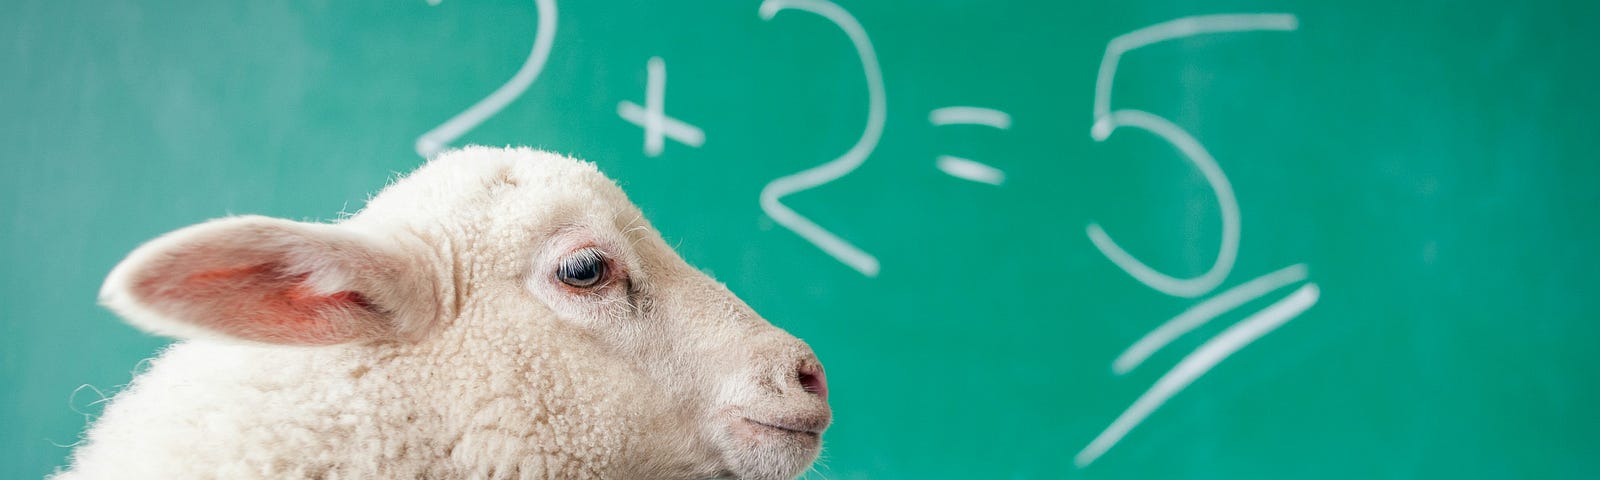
column 522, row 290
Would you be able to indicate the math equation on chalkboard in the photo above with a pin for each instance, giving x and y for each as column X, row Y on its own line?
column 659, row 129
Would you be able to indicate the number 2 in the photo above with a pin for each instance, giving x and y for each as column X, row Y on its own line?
column 433, row 141
column 772, row 194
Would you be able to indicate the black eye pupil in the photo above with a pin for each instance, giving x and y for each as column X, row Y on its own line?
column 582, row 269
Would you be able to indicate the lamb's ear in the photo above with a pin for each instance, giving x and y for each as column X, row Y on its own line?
column 273, row 281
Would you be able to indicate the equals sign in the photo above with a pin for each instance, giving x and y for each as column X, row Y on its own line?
column 963, row 168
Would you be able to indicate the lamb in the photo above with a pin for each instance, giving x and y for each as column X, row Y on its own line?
column 498, row 313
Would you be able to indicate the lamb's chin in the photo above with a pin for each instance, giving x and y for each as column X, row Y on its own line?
column 760, row 451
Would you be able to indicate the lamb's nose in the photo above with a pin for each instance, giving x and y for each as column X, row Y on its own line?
column 812, row 379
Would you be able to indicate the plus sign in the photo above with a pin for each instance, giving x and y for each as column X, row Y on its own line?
column 652, row 116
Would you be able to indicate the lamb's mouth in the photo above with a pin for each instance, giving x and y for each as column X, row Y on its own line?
column 789, row 429
column 774, row 447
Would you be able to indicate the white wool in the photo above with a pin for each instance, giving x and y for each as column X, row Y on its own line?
column 462, row 356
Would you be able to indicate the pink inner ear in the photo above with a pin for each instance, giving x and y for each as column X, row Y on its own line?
column 262, row 303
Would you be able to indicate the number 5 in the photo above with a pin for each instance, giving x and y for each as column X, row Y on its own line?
column 1107, row 121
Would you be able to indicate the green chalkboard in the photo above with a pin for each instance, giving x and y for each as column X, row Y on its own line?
column 1140, row 239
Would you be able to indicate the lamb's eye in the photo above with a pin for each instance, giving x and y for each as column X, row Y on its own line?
column 583, row 269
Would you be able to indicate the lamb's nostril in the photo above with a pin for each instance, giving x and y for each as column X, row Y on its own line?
column 813, row 381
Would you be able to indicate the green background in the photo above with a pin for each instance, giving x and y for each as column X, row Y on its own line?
column 1432, row 163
